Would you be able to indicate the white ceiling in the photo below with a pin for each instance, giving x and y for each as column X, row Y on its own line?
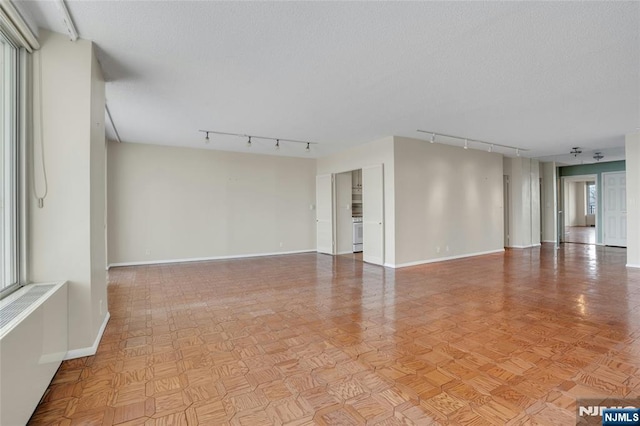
column 542, row 76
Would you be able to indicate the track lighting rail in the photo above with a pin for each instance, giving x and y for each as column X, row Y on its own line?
column 467, row 142
column 244, row 135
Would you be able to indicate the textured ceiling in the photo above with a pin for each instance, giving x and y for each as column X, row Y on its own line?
column 542, row 76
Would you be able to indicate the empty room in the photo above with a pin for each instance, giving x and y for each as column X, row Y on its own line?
column 331, row 213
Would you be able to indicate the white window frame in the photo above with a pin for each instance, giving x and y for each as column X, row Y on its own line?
column 12, row 111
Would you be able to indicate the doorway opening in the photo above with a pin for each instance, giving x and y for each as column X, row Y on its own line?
column 349, row 208
column 350, row 214
column 579, row 209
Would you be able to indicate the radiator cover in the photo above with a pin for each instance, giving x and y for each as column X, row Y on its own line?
column 33, row 342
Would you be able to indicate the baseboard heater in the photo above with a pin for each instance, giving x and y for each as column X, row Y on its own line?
column 33, row 342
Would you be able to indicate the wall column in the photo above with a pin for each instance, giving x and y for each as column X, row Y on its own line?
column 632, row 151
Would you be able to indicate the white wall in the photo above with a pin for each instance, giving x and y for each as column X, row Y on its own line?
column 344, row 223
column 447, row 198
column 98, row 196
column 372, row 153
column 64, row 242
column 579, row 208
column 548, row 198
column 524, row 225
column 535, row 202
column 168, row 203
column 569, row 203
column 632, row 152
column 572, row 203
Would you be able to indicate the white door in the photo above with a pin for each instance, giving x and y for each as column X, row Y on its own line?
column 615, row 208
column 373, row 214
column 324, row 214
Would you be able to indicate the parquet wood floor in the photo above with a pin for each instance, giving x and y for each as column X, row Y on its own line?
column 580, row 234
column 509, row 338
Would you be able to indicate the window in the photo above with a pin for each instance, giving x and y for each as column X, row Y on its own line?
column 9, row 262
column 591, row 198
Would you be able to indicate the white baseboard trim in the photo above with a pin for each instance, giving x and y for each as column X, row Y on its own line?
column 524, row 247
column 345, row 252
column 202, row 259
column 633, row 265
column 91, row 350
column 442, row 259
column 549, row 241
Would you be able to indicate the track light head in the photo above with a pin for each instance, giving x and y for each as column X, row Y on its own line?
column 466, row 144
column 433, row 138
column 206, row 138
column 491, row 148
column 277, row 144
column 308, row 148
column 249, row 142
column 517, row 152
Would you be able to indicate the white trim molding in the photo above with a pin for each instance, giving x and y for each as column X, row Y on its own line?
column 526, row 247
column 90, row 350
column 203, row 259
column 632, row 265
column 442, row 259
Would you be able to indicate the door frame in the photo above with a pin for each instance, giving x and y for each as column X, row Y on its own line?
column 506, row 212
column 334, row 207
column 562, row 209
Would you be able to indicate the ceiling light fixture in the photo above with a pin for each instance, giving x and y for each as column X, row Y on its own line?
column 598, row 156
column 575, row 151
column 250, row 137
column 206, row 138
column 475, row 141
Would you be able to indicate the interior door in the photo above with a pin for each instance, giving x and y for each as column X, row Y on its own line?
column 615, row 209
column 324, row 214
column 373, row 214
